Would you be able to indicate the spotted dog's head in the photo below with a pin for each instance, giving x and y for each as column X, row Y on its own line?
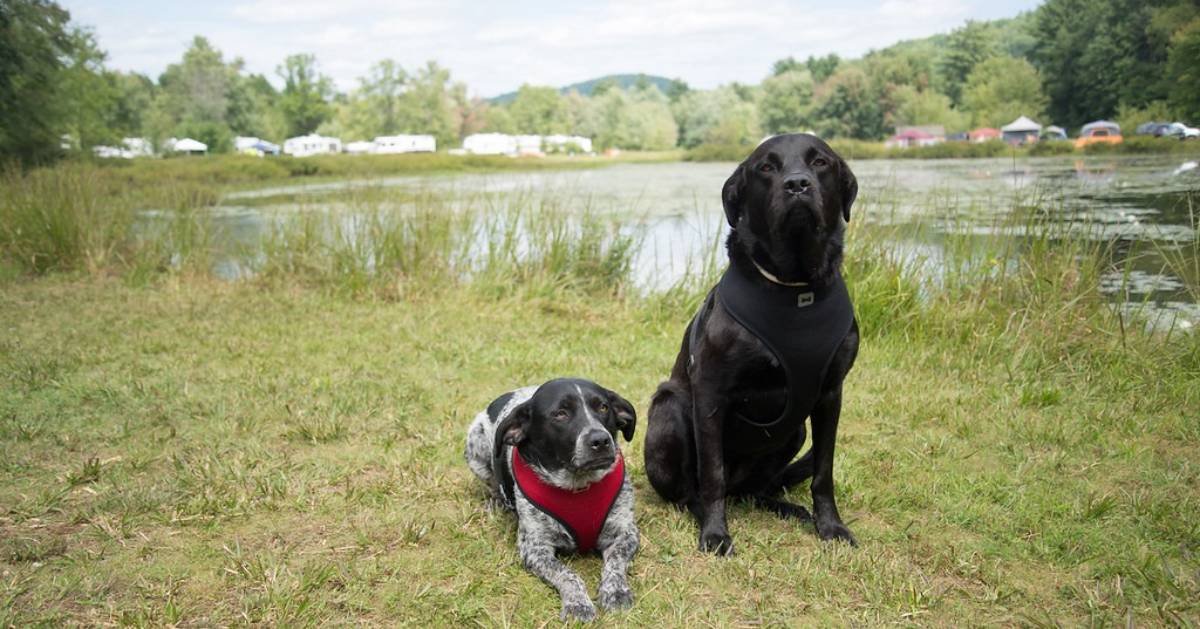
column 567, row 431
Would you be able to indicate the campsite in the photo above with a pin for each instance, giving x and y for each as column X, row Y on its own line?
column 255, row 287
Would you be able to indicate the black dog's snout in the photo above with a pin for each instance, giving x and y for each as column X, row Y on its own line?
column 797, row 184
column 599, row 441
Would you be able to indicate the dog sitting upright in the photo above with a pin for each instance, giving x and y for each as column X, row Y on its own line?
column 769, row 348
column 550, row 454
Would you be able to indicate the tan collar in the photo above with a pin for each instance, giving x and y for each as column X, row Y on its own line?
column 774, row 279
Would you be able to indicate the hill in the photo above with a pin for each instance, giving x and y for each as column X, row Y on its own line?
column 624, row 81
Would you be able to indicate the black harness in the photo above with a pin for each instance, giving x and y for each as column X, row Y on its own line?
column 802, row 326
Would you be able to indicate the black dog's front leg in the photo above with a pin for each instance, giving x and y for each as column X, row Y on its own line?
column 708, row 417
column 824, row 427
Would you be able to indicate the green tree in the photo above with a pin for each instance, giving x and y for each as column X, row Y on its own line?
column 382, row 92
column 848, row 105
column 635, row 120
column 822, row 68
column 92, row 94
column 925, row 107
column 716, row 116
column 34, row 42
column 1003, row 88
column 306, row 94
column 786, row 101
column 432, row 104
column 135, row 97
column 1096, row 55
column 194, row 98
column 1183, row 72
column 539, row 110
column 676, row 89
column 965, row 47
column 785, row 65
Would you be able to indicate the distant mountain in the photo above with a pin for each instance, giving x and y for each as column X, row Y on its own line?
column 625, row 81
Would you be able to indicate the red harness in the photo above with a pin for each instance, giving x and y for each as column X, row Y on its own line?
column 581, row 512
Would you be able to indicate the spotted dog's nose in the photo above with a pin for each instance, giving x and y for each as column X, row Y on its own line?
column 599, row 441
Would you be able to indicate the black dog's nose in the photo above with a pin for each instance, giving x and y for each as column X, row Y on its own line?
column 599, row 441
column 797, row 184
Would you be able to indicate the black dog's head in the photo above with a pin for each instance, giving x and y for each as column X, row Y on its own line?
column 788, row 204
column 568, row 430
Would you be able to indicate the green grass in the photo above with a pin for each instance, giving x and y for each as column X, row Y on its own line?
column 287, row 449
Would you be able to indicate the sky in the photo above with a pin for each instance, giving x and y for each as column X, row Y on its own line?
column 494, row 47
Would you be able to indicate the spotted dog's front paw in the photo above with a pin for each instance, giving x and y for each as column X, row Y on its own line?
column 578, row 609
column 617, row 596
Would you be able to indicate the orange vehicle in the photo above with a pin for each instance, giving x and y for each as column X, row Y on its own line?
column 1101, row 131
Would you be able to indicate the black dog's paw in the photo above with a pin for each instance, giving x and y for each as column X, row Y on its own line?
column 833, row 530
column 718, row 542
column 616, row 597
column 578, row 610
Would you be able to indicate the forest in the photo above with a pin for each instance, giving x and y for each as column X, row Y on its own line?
column 1067, row 62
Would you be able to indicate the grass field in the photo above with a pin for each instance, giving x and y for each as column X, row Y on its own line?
column 287, row 450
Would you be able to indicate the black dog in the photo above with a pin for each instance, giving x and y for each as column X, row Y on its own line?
column 550, row 454
column 769, row 348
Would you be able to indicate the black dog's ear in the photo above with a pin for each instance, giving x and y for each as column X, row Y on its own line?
column 731, row 195
column 626, row 415
column 849, row 190
column 513, row 429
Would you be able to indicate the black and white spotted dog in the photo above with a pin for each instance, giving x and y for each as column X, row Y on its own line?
column 550, row 454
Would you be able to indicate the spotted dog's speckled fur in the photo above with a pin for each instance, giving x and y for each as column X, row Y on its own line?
column 539, row 536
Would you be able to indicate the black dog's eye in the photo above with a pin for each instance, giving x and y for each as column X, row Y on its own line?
column 819, row 162
column 560, row 415
column 766, row 167
column 603, row 408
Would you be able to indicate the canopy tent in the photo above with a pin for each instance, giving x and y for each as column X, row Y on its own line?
column 1021, row 131
column 188, row 145
column 1021, row 125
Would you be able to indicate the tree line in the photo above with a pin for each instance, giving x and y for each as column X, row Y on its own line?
column 1067, row 62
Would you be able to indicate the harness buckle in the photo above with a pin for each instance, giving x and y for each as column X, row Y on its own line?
column 805, row 299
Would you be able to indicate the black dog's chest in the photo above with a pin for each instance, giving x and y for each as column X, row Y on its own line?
column 762, row 389
column 801, row 330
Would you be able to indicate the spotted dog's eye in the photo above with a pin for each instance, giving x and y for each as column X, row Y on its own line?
column 766, row 167
column 603, row 408
column 820, row 162
column 560, row 415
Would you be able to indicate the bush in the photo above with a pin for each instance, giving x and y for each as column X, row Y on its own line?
column 1051, row 147
column 718, row 152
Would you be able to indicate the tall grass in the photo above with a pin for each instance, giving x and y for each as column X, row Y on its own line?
column 68, row 219
column 76, row 217
column 496, row 244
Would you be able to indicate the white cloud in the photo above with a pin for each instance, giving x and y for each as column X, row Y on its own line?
column 494, row 47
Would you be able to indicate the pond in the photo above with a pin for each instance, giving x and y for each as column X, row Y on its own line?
column 676, row 207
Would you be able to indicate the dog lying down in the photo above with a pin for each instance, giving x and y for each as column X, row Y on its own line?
column 550, row 454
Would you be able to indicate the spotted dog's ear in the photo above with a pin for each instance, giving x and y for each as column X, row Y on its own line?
column 849, row 190
column 731, row 194
column 626, row 415
column 513, row 429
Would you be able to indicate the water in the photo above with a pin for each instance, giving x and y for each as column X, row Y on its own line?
column 676, row 207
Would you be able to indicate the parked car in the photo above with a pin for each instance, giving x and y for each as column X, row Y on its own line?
column 1151, row 128
column 1101, row 131
column 1178, row 130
